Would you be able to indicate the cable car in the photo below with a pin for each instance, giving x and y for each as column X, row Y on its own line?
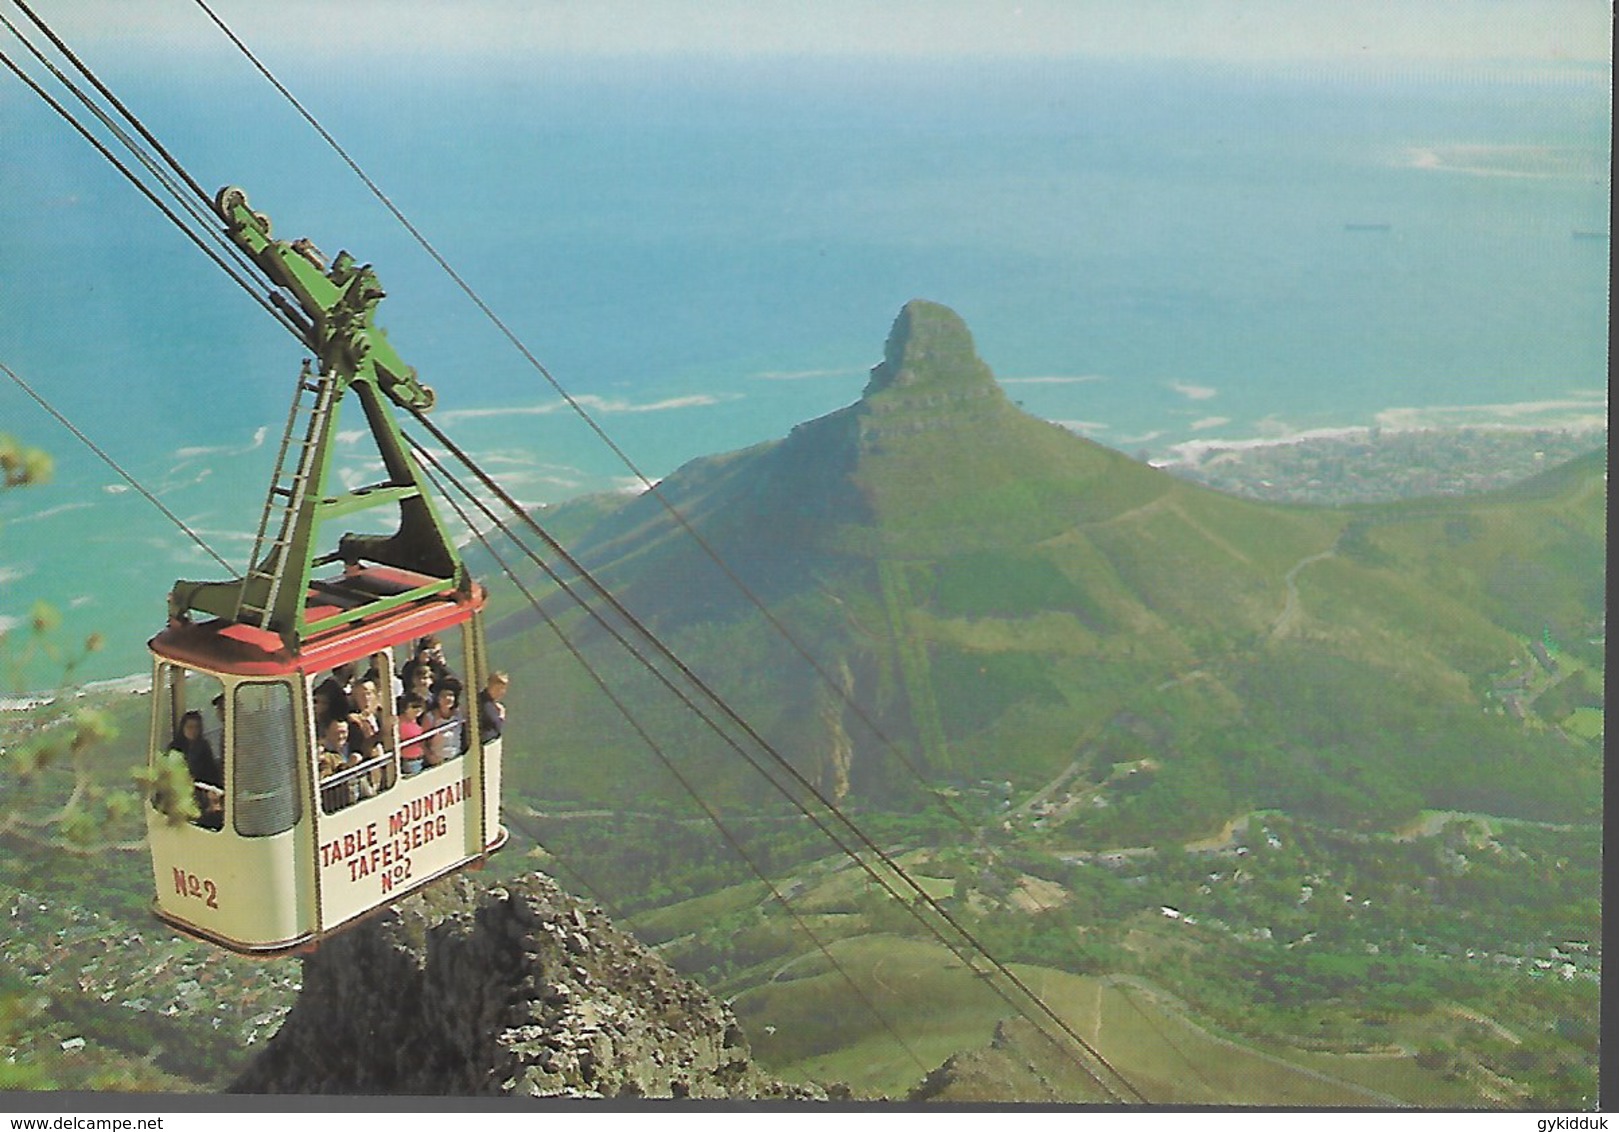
column 314, row 788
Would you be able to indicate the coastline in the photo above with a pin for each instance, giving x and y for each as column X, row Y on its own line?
column 1344, row 467
column 1192, row 453
column 138, row 684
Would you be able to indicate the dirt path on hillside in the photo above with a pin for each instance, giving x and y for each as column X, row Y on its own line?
column 1155, row 504
column 1225, row 839
column 1050, row 788
column 1457, row 1010
column 1285, row 623
column 1168, row 502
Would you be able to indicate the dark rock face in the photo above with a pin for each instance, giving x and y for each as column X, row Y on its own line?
column 517, row 990
column 931, row 379
column 929, row 345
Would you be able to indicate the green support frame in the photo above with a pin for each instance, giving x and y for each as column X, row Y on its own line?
column 337, row 305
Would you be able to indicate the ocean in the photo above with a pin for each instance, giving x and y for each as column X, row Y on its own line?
column 705, row 253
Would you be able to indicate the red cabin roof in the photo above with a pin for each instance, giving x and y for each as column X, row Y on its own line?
column 245, row 650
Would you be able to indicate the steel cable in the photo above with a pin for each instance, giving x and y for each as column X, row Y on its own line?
column 919, row 898
column 113, row 464
column 652, row 745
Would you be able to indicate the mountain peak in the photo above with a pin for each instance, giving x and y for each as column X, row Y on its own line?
column 930, row 349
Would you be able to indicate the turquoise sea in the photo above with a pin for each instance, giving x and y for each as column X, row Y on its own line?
column 706, row 253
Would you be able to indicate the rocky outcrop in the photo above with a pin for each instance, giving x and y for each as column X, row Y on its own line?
column 930, row 379
column 930, row 353
column 838, row 752
column 515, row 990
column 1019, row 1065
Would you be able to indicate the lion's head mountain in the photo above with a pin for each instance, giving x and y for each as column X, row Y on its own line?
column 988, row 596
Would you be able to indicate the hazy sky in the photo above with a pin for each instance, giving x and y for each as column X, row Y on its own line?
column 1236, row 30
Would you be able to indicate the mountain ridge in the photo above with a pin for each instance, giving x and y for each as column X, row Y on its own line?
column 996, row 594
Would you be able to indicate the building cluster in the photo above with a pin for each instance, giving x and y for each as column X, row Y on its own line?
column 1370, row 466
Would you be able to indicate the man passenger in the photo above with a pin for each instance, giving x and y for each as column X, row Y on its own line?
column 334, row 755
column 491, row 711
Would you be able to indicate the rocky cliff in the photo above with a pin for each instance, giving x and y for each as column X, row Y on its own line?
column 515, row 990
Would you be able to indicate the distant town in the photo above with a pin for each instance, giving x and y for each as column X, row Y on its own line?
column 1375, row 465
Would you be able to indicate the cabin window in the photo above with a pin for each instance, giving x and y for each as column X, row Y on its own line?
column 355, row 735
column 265, row 760
column 433, row 723
column 189, row 728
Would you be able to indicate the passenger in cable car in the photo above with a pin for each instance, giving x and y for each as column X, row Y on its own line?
column 443, row 726
column 334, row 756
column 368, row 732
column 491, row 711
column 429, row 654
column 216, row 734
column 207, row 771
column 412, row 747
column 374, row 675
column 418, row 683
column 365, row 723
column 459, row 733
column 334, row 695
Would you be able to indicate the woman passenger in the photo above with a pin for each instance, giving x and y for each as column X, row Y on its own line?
column 412, row 747
column 419, row 682
column 205, row 767
column 443, row 723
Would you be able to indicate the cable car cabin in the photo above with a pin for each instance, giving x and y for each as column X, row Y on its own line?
column 296, row 782
column 307, row 829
